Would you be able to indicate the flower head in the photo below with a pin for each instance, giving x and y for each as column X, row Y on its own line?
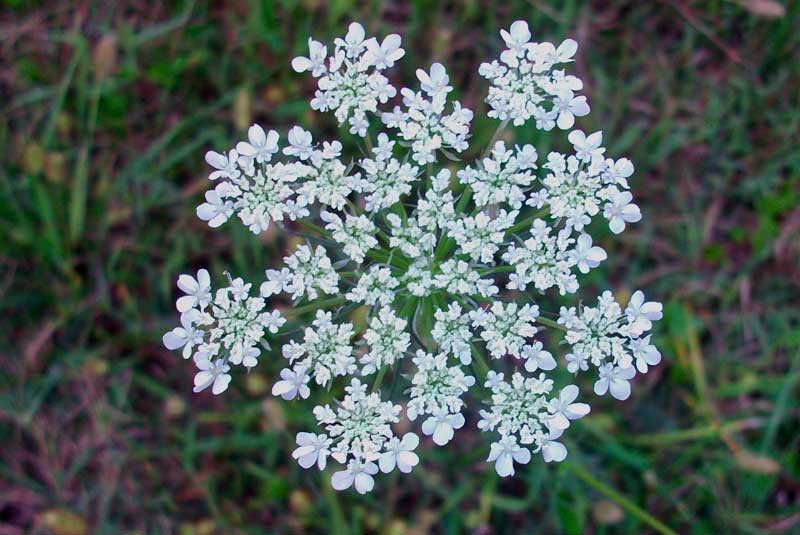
column 418, row 268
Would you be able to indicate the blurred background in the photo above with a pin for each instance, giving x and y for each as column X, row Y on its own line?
column 107, row 109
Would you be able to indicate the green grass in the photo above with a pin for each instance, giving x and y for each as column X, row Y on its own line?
column 106, row 114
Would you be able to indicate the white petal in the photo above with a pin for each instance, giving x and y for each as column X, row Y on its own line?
column 221, row 384
column 216, row 160
column 245, row 149
column 567, row 49
column 387, row 462
column 565, row 120
column 579, row 106
column 442, row 434
column 554, row 451
column 299, row 64
column 568, row 394
column 504, row 464
column 187, row 284
column 601, row 387
column 410, row 441
column 175, row 338
column 578, row 410
column 620, row 389
column 256, row 135
column 558, row 421
column 406, row 460
column 282, row 387
column 203, row 278
column 342, row 480
column 364, row 483
column 616, row 225
column 522, row 456
column 206, row 211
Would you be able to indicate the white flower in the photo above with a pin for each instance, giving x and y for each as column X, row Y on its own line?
column 215, row 210
column 277, row 282
column 503, row 178
column 356, row 234
column 505, row 328
column 641, row 314
column 587, row 148
column 618, row 172
column 568, row 106
column 505, row 452
column 325, row 350
column 388, row 341
column 198, row 291
column 605, row 335
column 384, row 55
column 516, row 40
column 544, row 260
column 621, row 210
column 309, row 272
column 315, row 62
column 353, row 42
column 360, row 426
column 436, row 387
column 357, row 472
column 376, row 286
column 481, row 236
column 435, row 82
column 425, row 124
column 552, row 450
column 645, row 353
column 260, row 146
column 312, row 449
column 213, row 374
column 226, row 166
column 385, row 181
column 576, row 363
column 293, row 382
column 615, row 380
column 563, row 409
column 383, row 150
column 587, row 256
column 526, row 84
column 451, row 331
column 536, row 358
column 300, row 143
column 441, row 426
column 428, row 256
column 186, row 336
column 400, row 453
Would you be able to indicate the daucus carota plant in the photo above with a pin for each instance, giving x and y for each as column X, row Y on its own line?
column 450, row 261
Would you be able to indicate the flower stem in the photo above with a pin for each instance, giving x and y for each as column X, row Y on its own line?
column 497, row 132
column 335, row 301
column 550, row 323
column 379, row 378
column 621, row 500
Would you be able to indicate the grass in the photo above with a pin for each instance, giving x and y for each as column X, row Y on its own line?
column 107, row 110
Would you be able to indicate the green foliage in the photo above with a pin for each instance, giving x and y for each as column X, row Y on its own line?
column 101, row 169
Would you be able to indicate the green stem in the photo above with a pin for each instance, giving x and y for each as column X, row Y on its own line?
column 620, row 500
column 524, row 224
column 379, row 379
column 500, row 128
column 550, row 323
column 293, row 313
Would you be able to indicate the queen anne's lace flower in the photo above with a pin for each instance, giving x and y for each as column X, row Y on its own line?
column 424, row 124
column 441, row 261
column 525, row 83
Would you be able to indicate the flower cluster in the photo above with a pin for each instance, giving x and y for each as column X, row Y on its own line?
column 419, row 270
